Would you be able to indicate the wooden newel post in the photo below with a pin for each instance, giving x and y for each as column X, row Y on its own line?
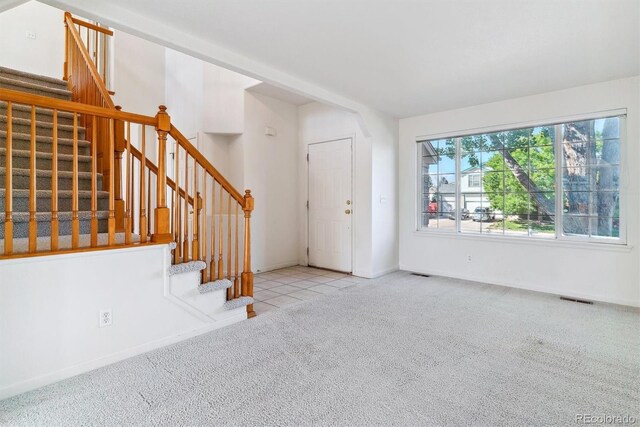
column 247, row 274
column 119, row 145
column 161, row 224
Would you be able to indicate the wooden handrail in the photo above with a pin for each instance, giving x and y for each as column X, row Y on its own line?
column 91, row 26
column 77, row 107
column 153, row 168
column 204, row 163
column 95, row 75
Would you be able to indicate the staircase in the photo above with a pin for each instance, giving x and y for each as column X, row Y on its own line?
column 77, row 174
column 43, row 129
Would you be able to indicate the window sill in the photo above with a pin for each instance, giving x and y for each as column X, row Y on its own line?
column 529, row 241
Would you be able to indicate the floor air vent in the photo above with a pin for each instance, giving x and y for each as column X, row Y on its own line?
column 581, row 301
column 421, row 275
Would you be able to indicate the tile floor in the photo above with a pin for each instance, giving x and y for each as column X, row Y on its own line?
column 278, row 288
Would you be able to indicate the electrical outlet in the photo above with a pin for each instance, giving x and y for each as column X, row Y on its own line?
column 468, row 258
column 31, row 35
column 106, row 318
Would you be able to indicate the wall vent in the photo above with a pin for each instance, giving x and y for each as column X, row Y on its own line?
column 581, row 301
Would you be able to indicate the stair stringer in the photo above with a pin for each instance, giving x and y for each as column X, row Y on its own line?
column 182, row 289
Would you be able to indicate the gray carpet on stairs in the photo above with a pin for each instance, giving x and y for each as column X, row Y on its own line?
column 21, row 122
column 400, row 350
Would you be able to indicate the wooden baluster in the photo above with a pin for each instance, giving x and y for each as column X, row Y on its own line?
column 54, row 185
column 95, row 47
column 8, row 184
column 197, row 205
column 33, row 224
column 149, row 235
column 143, row 210
column 104, row 59
column 112, row 200
column 229, row 271
column 75, row 221
column 162, row 225
column 212, row 267
column 236, row 281
column 65, row 66
column 177, row 254
column 116, row 171
column 185, row 248
column 247, row 274
column 127, row 207
column 94, row 184
column 220, row 243
column 204, row 226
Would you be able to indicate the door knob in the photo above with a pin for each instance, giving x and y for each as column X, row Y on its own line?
column 348, row 211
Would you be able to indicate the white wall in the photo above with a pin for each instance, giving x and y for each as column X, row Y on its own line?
column 375, row 188
column 49, row 327
column 139, row 74
column 593, row 271
column 43, row 55
column 271, row 173
column 183, row 89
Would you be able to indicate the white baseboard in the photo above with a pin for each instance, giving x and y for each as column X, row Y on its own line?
column 80, row 368
column 546, row 290
column 380, row 273
column 264, row 269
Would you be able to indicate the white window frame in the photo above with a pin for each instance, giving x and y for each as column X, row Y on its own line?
column 559, row 216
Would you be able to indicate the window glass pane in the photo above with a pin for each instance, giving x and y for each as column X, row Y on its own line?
column 542, row 226
column 605, row 227
column 508, row 181
column 607, row 178
column 607, row 152
column 575, row 225
column 576, row 179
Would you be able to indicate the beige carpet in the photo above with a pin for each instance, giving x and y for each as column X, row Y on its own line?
column 401, row 350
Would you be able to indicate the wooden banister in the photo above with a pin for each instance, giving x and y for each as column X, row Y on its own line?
column 76, row 42
column 204, row 163
column 90, row 25
column 194, row 216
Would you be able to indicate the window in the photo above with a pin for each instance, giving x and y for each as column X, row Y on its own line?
column 474, row 180
column 551, row 181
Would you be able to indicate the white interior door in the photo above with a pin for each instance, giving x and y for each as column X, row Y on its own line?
column 330, row 205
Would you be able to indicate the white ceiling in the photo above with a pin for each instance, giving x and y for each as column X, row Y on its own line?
column 408, row 57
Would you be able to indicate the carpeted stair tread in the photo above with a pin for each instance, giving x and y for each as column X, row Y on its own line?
column 44, row 128
column 34, row 88
column 44, row 155
column 41, row 113
column 187, row 267
column 22, row 179
column 42, row 139
column 45, row 173
column 62, row 194
column 238, row 303
column 215, row 286
column 30, row 77
column 46, row 216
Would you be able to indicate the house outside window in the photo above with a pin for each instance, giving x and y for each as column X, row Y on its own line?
column 556, row 181
column 474, row 180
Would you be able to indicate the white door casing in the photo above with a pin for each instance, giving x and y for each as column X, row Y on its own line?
column 330, row 205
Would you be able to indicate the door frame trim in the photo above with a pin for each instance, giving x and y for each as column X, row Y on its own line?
column 352, row 137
